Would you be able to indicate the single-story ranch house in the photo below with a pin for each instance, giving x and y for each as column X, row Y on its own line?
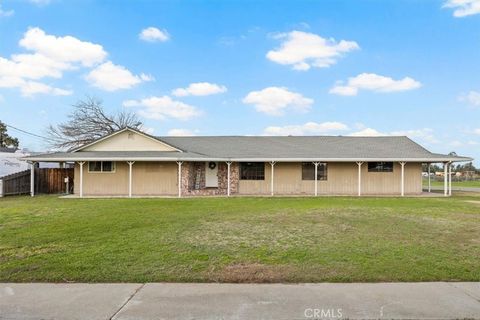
column 131, row 163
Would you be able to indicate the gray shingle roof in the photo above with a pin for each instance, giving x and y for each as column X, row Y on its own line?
column 262, row 148
column 300, row 147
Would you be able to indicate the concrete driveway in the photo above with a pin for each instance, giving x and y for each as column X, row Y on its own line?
column 435, row 300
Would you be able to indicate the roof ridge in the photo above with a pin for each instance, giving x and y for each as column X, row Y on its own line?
column 289, row 136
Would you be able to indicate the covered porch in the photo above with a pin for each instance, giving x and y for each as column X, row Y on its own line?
column 183, row 177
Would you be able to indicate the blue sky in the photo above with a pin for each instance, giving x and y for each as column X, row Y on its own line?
column 249, row 67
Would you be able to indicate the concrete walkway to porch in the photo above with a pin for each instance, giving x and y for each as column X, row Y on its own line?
column 424, row 194
column 431, row 300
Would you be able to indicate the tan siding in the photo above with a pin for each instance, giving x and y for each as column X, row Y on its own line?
column 342, row 180
column 129, row 141
column 103, row 183
column 156, row 178
column 390, row 182
column 160, row 178
column 256, row 186
column 413, row 178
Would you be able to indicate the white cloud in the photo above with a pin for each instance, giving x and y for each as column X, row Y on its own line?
column 181, row 133
column 50, row 58
column 463, row 8
column 63, row 49
column 276, row 100
column 147, row 130
column 309, row 128
column 423, row 134
column 344, row 90
column 461, row 144
column 304, row 50
column 374, row 82
column 456, row 144
column 199, row 89
column 32, row 66
column 367, row 132
column 29, row 88
column 111, row 77
column 476, row 131
column 152, row 34
column 472, row 98
column 5, row 13
column 160, row 108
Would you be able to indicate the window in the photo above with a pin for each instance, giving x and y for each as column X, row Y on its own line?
column 308, row 171
column 380, row 167
column 101, row 166
column 252, row 171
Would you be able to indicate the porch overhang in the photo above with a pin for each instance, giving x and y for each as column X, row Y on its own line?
column 78, row 156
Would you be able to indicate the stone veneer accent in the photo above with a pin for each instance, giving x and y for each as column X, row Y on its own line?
column 191, row 169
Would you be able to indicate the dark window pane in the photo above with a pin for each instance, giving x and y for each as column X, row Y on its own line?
column 95, row 166
column 252, row 171
column 322, row 171
column 380, row 167
column 308, row 171
column 107, row 166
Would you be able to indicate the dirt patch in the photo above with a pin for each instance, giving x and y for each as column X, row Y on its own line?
column 473, row 201
column 253, row 273
column 19, row 253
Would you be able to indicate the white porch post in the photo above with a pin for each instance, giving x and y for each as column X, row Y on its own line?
column 179, row 178
column 81, row 163
column 450, row 179
column 32, row 179
column 316, row 182
column 272, row 163
column 359, row 178
column 228, row 178
column 130, row 164
column 429, row 179
column 445, row 179
column 402, row 183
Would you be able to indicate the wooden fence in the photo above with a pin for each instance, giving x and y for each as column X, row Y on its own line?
column 47, row 180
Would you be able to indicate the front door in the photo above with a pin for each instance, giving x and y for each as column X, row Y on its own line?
column 211, row 174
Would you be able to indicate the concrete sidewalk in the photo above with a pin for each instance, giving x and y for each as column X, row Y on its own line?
column 467, row 189
column 435, row 300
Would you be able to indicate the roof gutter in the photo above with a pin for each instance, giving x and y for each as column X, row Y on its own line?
column 169, row 159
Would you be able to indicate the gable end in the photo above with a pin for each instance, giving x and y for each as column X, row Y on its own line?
column 128, row 139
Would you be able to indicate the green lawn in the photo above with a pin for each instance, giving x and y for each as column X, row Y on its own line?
column 240, row 239
column 469, row 184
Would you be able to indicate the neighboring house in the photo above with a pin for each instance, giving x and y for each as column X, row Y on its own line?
column 132, row 163
column 11, row 161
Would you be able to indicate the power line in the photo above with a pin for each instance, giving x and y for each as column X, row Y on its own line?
column 26, row 132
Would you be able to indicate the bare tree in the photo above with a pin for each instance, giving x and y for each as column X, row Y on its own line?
column 87, row 122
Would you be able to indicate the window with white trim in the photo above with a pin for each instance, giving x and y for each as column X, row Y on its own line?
column 101, row 166
column 308, row 171
column 252, row 171
column 380, row 167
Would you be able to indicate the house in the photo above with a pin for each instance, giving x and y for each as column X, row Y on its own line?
column 132, row 163
column 11, row 161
